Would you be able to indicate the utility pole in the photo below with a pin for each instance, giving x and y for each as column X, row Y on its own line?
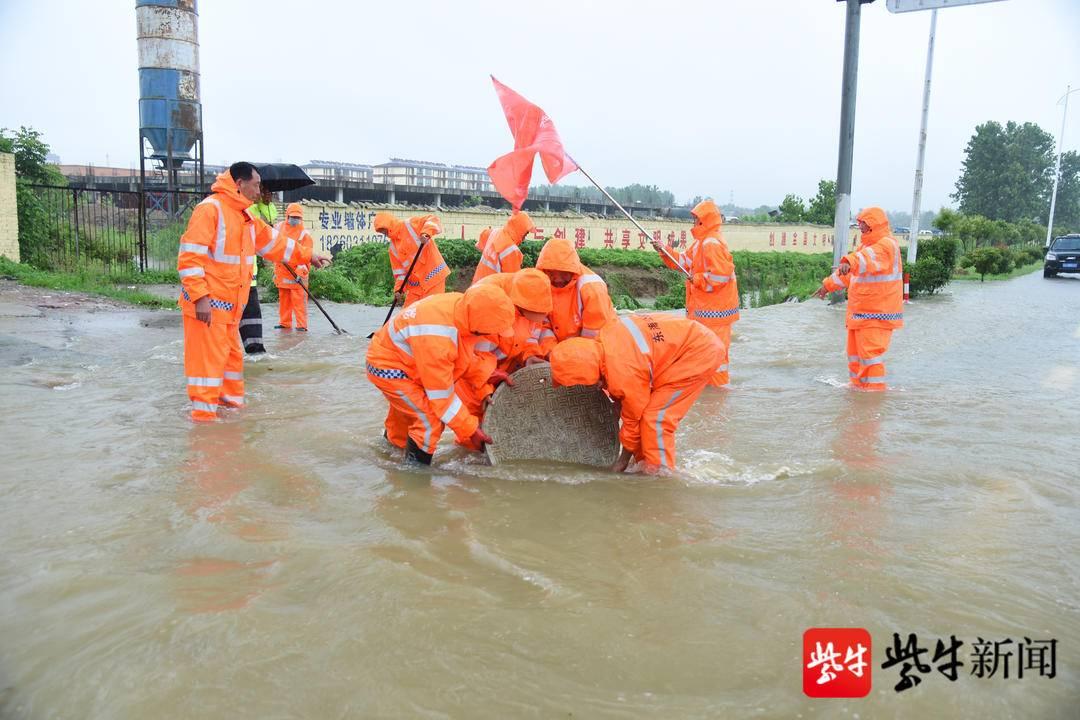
column 847, row 129
column 916, row 198
column 1057, row 165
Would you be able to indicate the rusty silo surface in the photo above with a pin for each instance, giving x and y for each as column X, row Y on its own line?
column 170, row 110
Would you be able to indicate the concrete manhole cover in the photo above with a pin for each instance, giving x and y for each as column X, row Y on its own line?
column 534, row 421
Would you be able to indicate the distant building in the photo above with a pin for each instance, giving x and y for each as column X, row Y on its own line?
column 437, row 176
column 328, row 170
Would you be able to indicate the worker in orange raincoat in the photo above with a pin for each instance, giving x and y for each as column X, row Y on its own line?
column 502, row 253
column 215, row 263
column 654, row 365
column 292, row 299
column 581, row 304
column 874, row 277
column 417, row 357
column 406, row 239
column 530, row 291
column 712, row 292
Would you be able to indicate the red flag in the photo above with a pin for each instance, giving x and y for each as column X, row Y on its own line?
column 533, row 133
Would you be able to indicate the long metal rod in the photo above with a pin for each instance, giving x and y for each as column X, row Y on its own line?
column 630, row 217
column 299, row 282
column 1057, row 166
column 916, row 198
column 847, row 131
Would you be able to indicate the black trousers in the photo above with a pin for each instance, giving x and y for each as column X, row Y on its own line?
column 251, row 324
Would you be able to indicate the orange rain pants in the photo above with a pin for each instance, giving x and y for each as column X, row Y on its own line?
column 667, row 406
column 410, row 413
column 292, row 300
column 866, row 348
column 214, row 365
column 721, row 376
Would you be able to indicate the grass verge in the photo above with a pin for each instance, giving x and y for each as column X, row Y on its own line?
column 90, row 283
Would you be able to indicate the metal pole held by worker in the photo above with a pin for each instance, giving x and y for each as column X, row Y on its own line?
column 630, row 217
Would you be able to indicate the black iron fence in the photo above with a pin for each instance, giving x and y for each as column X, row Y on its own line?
column 108, row 231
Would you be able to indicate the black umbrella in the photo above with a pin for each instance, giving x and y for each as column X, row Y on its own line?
column 278, row 177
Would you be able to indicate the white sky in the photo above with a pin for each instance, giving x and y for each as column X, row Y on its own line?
column 711, row 98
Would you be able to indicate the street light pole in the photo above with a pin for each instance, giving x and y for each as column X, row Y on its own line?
column 916, row 201
column 1057, row 165
column 847, row 130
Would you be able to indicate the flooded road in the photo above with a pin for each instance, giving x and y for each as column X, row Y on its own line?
column 280, row 564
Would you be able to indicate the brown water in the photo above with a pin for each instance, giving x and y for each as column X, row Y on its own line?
column 281, row 564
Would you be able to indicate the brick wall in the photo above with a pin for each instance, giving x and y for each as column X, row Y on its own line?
column 9, row 217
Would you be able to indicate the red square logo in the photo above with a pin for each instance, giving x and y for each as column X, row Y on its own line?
column 836, row 663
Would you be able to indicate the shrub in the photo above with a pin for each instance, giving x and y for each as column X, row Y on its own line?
column 991, row 261
column 934, row 266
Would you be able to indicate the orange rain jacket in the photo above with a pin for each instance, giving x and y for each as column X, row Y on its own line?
column 643, row 359
column 217, row 252
column 432, row 343
column 712, row 292
column 501, row 253
column 876, row 281
column 429, row 275
column 528, row 289
column 579, row 309
column 282, row 277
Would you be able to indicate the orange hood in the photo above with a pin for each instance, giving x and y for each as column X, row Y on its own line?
column 482, row 242
column 387, row 224
column 576, row 361
column 485, row 309
column 518, row 225
column 426, row 225
column 224, row 185
column 878, row 221
column 531, row 290
column 294, row 210
column 559, row 254
column 711, row 219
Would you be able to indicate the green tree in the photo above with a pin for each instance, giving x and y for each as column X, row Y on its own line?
column 1007, row 172
column 30, row 152
column 946, row 221
column 822, row 210
column 792, row 209
column 1067, row 208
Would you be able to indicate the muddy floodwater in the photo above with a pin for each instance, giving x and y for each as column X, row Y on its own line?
column 280, row 564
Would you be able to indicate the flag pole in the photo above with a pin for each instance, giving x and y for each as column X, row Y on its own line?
column 630, row 217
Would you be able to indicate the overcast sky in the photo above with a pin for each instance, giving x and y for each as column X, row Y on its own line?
column 733, row 99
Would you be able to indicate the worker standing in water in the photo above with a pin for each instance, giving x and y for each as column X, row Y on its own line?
column 712, row 292
column 292, row 298
column 874, row 277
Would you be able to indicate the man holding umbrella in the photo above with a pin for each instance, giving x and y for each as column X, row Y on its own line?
column 251, row 322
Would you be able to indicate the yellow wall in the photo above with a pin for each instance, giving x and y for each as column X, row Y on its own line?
column 9, row 216
column 330, row 223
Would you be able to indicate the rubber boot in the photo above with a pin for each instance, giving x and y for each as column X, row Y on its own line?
column 414, row 455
